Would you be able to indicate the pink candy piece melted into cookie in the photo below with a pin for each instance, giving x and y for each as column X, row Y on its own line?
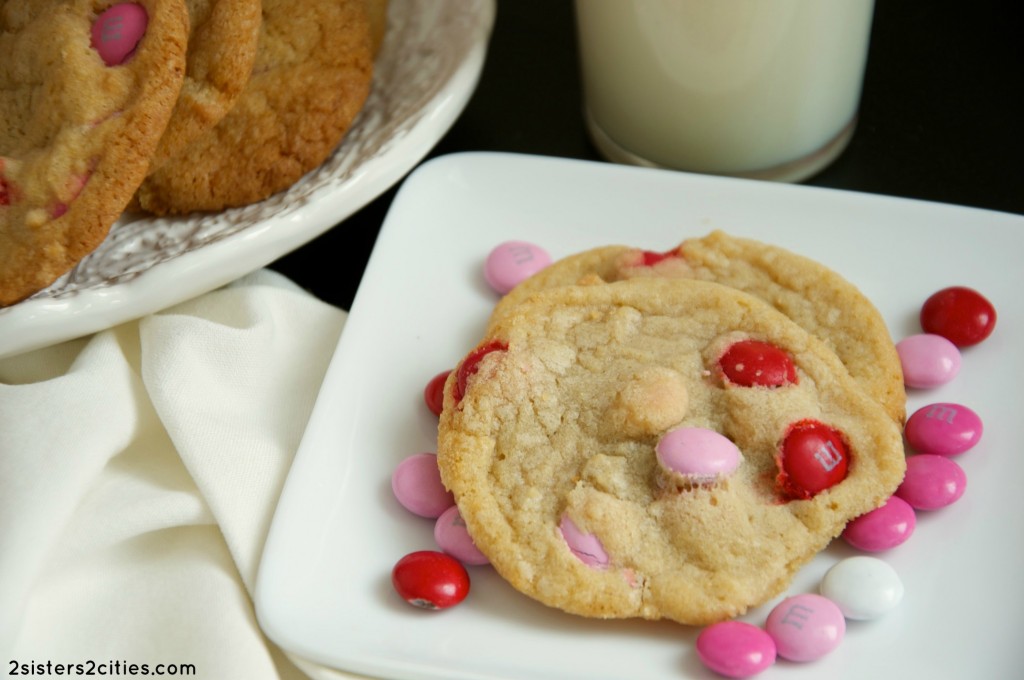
column 587, row 547
column 117, row 32
column 697, row 454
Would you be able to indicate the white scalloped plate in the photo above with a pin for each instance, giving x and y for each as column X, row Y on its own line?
column 425, row 72
column 324, row 586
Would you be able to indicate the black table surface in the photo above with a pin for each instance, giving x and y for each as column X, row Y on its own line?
column 941, row 119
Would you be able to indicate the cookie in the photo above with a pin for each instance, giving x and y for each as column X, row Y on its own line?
column 221, row 52
column 552, row 440
column 312, row 74
column 377, row 12
column 817, row 298
column 78, row 124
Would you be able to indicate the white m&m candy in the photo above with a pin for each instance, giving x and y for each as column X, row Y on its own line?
column 863, row 587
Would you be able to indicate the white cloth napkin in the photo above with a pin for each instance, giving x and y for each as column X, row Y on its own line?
column 139, row 472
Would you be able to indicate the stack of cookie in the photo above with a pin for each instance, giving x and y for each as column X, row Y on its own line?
column 672, row 435
column 164, row 106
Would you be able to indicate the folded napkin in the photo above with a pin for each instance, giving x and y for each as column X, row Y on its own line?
column 139, row 471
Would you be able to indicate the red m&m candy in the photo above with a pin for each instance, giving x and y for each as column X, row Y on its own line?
column 433, row 393
column 471, row 364
column 752, row 363
column 961, row 315
column 649, row 258
column 430, row 579
column 812, row 458
column 6, row 192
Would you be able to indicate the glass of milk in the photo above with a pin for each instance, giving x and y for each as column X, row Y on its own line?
column 766, row 89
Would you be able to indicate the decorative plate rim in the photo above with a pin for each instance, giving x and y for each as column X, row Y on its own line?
column 425, row 72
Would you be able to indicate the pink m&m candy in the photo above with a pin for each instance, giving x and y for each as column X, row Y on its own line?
column 117, row 32
column 943, row 428
column 698, row 454
column 736, row 649
column 932, row 482
column 806, row 627
column 928, row 360
column 452, row 537
column 416, row 483
column 885, row 527
column 512, row 262
column 587, row 547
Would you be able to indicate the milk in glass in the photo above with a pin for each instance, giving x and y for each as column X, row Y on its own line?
column 762, row 88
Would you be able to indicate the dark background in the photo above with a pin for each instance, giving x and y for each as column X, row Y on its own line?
column 941, row 116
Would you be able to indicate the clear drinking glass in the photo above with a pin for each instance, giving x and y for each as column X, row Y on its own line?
column 753, row 88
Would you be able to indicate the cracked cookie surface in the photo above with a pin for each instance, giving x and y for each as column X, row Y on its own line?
column 221, row 51
column 310, row 79
column 814, row 296
column 548, row 440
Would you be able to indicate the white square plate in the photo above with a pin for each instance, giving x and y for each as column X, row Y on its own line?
column 324, row 587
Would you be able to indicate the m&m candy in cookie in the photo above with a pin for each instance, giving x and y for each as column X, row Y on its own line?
column 658, row 447
column 815, row 297
column 88, row 87
column 117, row 31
